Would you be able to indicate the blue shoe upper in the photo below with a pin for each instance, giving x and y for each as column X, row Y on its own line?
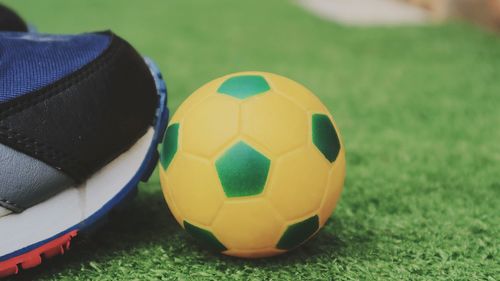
column 69, row 105
column 30, row 61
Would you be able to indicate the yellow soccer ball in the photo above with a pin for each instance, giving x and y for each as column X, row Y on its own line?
column 252, row 164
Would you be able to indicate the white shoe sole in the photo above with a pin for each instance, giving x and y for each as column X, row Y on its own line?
column 73, row 205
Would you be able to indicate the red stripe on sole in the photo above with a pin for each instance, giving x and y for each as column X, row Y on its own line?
column 34, row 257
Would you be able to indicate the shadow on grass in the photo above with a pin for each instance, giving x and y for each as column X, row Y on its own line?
column 147, row 223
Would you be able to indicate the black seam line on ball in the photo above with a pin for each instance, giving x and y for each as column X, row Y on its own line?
column 34, row 98
column 11, row 206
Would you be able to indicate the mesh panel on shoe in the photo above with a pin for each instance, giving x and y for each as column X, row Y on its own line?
column 31, row 61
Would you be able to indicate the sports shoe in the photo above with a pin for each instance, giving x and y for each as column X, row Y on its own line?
column 10, row 21
column 81, row 117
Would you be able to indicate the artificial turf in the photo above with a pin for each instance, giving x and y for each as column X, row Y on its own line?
column 418, row 108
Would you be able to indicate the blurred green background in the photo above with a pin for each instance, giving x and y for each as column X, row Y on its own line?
column 418, row 108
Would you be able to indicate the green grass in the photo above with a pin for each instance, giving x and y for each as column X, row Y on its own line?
column 418, row 108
